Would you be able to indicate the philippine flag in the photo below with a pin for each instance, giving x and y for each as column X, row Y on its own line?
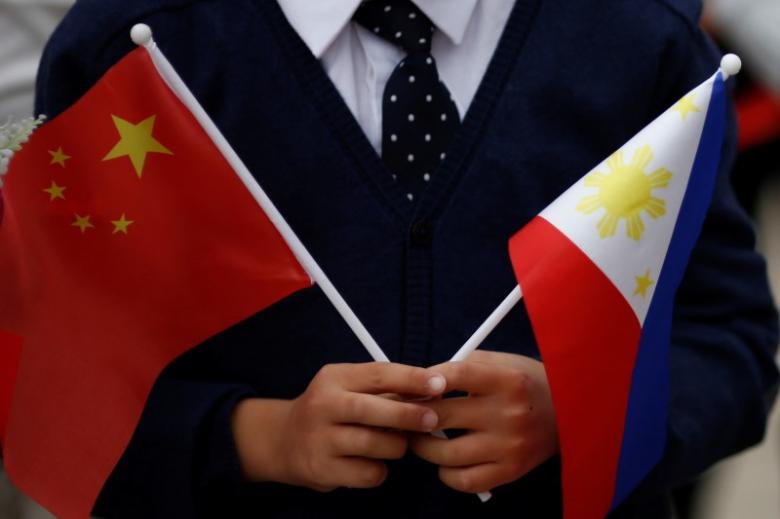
column 598, row 269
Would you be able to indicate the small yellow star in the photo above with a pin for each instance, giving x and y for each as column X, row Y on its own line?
column 83, row 223
column 642, row 284
column 686, row 106
column 55, row 191
column 121, row 225
column 136, row 142
column 58, row 157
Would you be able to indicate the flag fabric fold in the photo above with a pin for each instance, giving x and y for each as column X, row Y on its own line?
column 599, row 268
column 127, row 240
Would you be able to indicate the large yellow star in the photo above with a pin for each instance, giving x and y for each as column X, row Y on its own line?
column 642, row 284
column 55, row 191
column 58, row 157
column 83, row 223
column 136, row 142
column 686, row 106
column 122, row 224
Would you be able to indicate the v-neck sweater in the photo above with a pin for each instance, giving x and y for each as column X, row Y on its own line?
column 569, row 82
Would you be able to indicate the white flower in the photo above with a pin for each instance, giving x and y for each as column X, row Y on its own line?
column 13, row 134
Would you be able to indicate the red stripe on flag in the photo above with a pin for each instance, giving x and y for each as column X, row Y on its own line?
column 588, row 337
column 10, row 356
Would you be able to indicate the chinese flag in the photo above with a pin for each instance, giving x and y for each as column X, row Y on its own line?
column 127, row 239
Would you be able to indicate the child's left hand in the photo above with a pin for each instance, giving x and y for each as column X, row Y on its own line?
column 509, row 417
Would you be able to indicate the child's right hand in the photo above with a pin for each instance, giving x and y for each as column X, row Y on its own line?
column 337, row 432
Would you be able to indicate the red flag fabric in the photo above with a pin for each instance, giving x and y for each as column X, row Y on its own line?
column 127, row 240
column 10, row 355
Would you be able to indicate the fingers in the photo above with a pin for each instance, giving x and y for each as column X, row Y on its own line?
column 491, row 357
column 478, row 478
column 467, row 450
column 357, row 473
column 462, row 413
column 387, row 377
column 471, row 463
column 506, row 359
column 377, row 411
column 369, row 443
column 475, row 377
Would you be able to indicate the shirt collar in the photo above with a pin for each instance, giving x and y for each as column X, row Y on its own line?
column 319, row 23
column 451, row 18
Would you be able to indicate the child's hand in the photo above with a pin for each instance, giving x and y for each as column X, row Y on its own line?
column 336, row 432
column 509, row 416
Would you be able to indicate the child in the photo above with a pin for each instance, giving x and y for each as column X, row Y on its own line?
column 283, row 415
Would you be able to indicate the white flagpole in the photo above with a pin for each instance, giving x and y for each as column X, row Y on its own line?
column 489, row 325
column 141, row 35
column 480, row 335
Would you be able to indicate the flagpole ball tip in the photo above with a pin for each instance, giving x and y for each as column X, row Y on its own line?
column 141, row 34
column 731, row 64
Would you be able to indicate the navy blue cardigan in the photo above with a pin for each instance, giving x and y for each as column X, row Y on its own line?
column 570, row 82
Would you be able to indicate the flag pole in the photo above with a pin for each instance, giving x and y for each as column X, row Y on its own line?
column 489, row 325
column 476, row 340
column 141, row 34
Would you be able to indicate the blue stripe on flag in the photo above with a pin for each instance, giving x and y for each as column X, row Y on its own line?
column 644, row 436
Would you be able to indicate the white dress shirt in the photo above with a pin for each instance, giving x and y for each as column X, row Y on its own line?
column 359, row 62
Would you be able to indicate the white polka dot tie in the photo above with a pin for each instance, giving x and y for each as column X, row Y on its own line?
column 419, row 118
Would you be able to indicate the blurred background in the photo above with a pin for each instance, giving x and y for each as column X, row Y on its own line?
column 746, row 485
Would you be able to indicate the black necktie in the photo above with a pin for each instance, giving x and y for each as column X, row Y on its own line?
column 419, row 118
